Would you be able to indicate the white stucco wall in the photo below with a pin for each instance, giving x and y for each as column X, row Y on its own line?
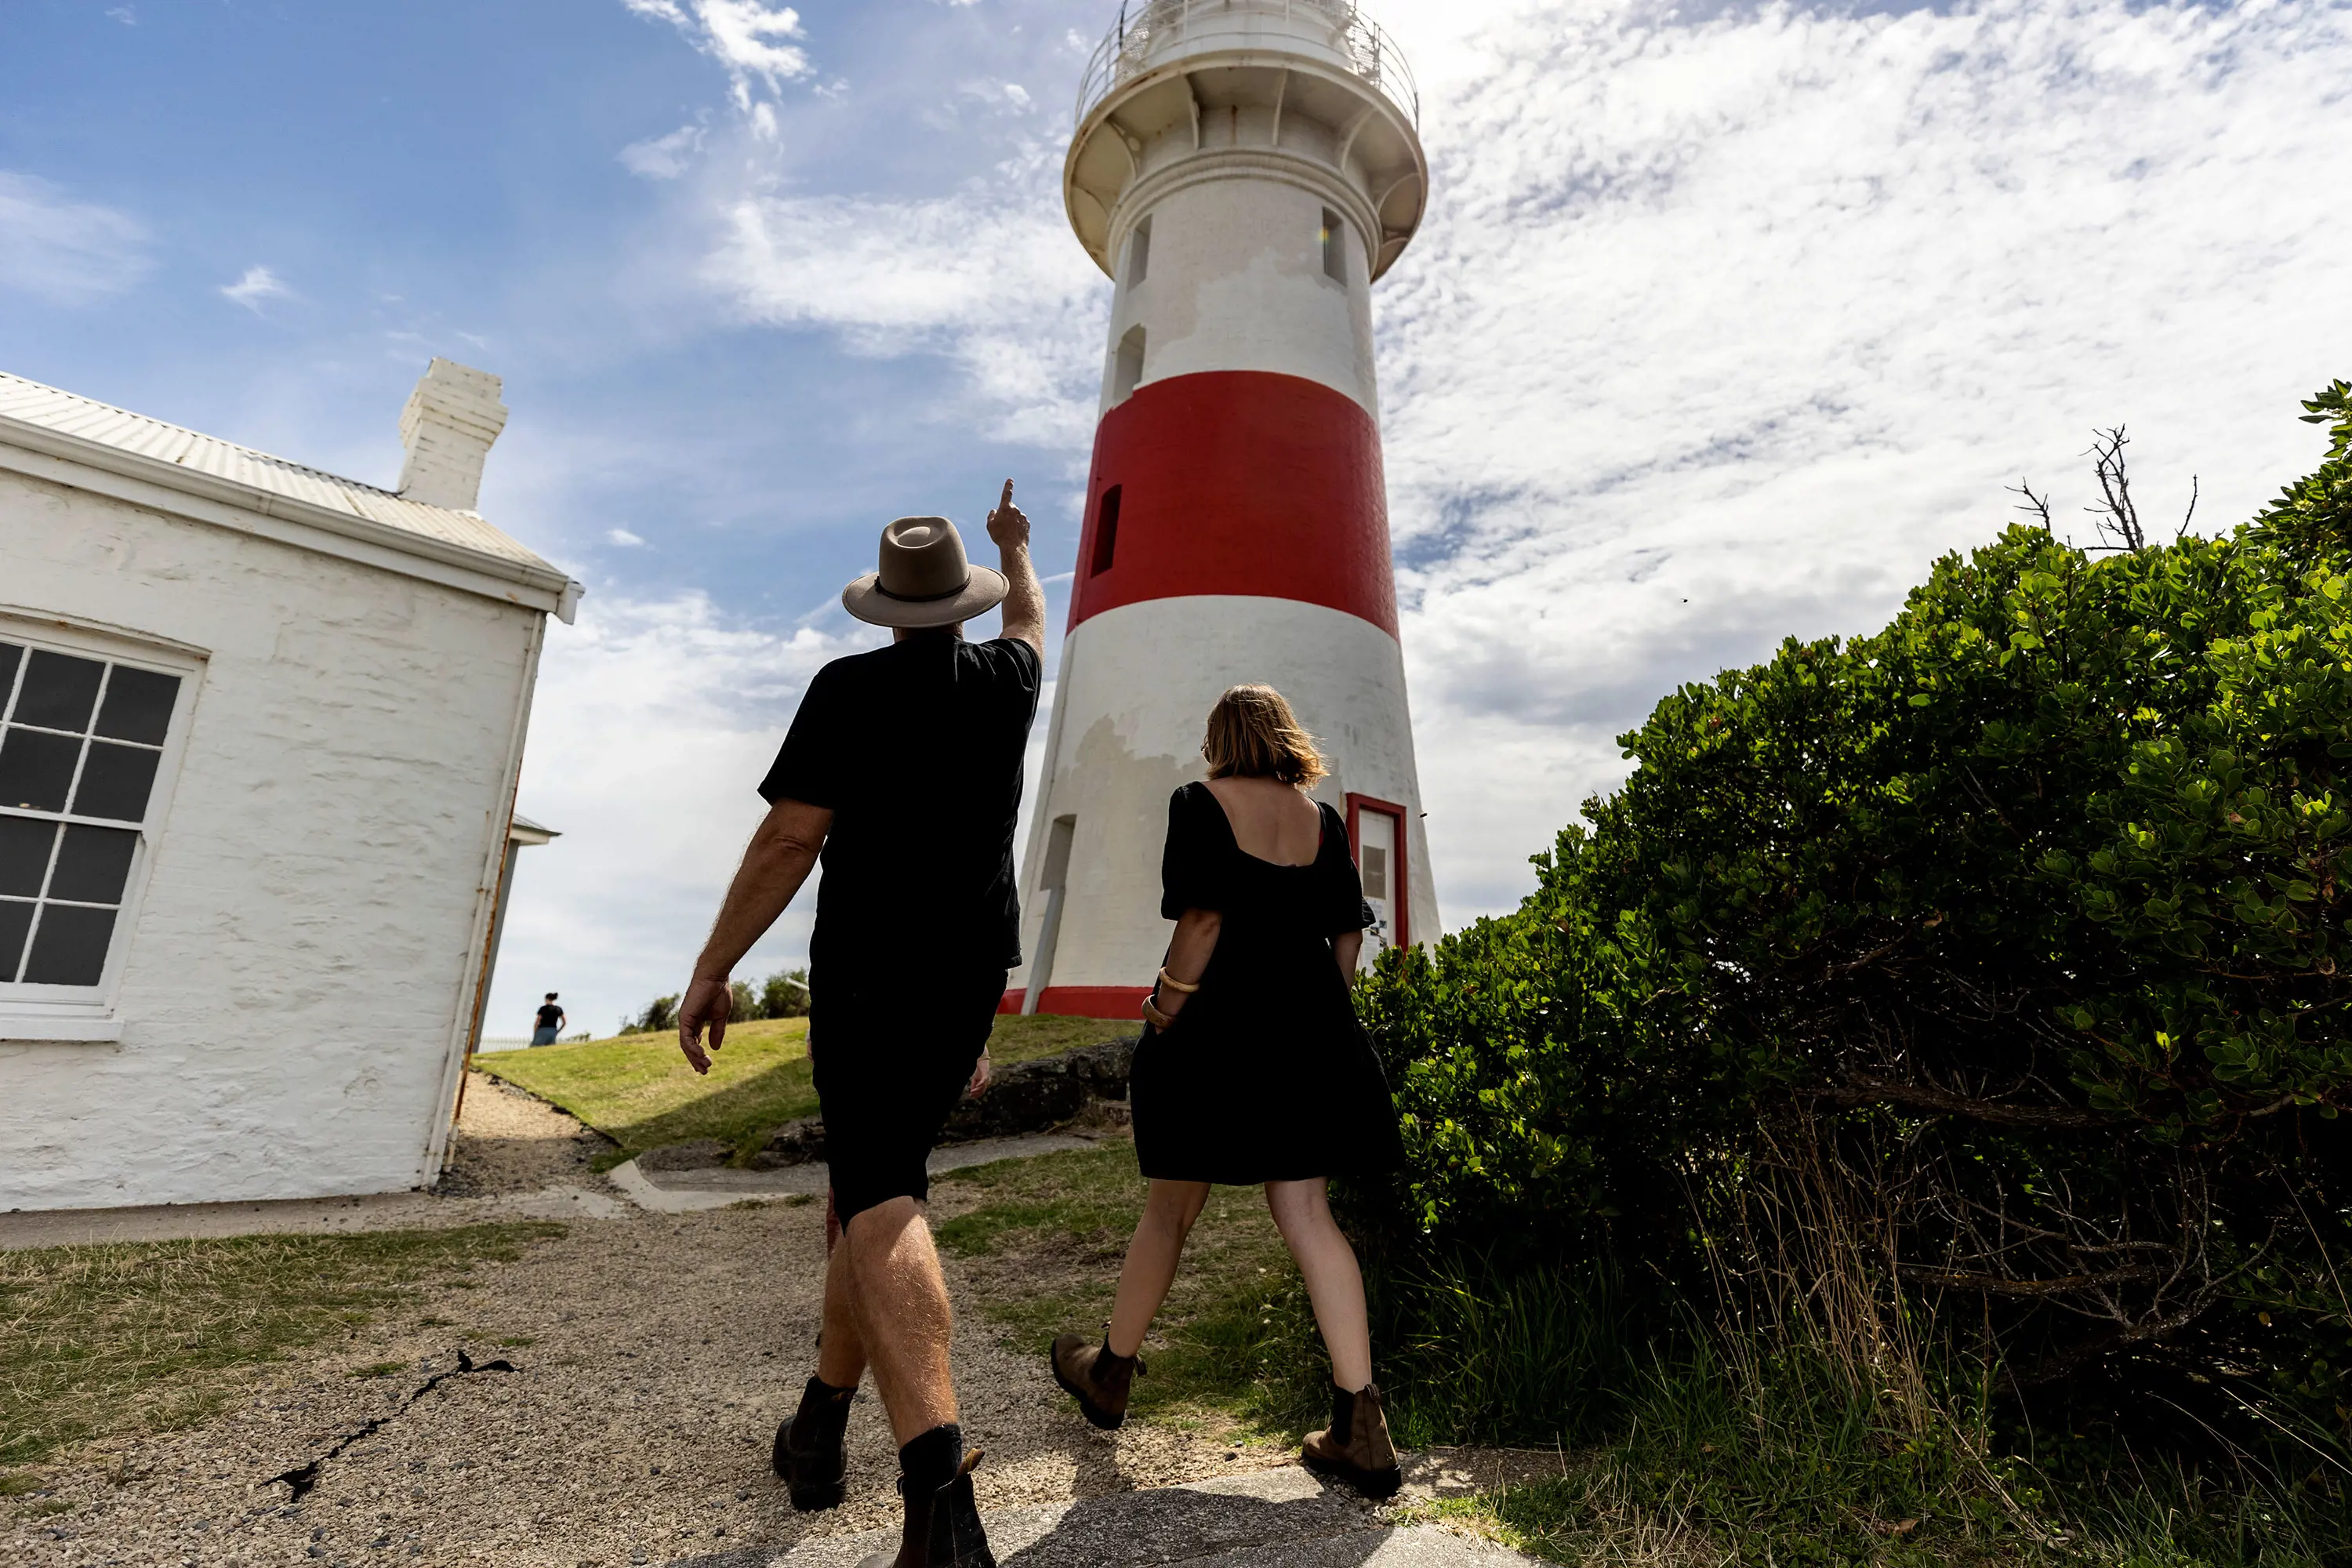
column 314, row 905
column 1136, row 687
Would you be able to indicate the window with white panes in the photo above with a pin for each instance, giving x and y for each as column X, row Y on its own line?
column 82, row 740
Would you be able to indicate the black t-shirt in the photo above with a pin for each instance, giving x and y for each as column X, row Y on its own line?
column 917, row 750
column 550, row 1016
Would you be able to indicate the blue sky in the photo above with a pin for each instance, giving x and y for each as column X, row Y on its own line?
column 1724, row 321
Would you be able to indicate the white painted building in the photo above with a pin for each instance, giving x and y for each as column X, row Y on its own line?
column 1245, row 171
column 259, row 732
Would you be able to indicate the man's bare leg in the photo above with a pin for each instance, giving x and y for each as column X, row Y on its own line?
column 904, row 1320
column 810, row 1453
column 841, row 1349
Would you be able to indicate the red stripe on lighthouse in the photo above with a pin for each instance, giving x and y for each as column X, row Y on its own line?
column 1237, row 483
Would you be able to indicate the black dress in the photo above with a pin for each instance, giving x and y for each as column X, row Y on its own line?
column 1266, row 1076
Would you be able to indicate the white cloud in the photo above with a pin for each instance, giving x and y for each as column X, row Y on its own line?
column 988, row 278
column 258, row 283
column 745, row 35
column 623, row 537
column 663, row 157
column 652, row 726
column 1008, row 95
column 63, row 250
column 1719, row 332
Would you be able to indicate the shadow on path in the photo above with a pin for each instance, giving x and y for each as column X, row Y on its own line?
column 1279, row 1518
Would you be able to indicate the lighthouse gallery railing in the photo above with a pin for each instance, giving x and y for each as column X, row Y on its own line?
column 1147, row 25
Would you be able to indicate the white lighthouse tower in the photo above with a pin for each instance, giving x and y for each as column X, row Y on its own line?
column 1244, row 170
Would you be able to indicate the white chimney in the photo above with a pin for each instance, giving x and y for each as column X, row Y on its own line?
column 448, row 428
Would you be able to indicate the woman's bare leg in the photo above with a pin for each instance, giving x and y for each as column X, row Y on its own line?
column 1302, row 1212
column 1152, row 1258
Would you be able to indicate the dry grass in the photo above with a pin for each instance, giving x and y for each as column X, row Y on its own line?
column 97, row 1341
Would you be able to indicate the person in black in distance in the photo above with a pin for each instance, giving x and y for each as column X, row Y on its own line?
column 903, row 768
column 549, row 1023
column 1254, row 1069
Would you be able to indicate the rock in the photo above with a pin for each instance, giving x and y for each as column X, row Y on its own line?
column 1032, row 1096
column 1105, row 1067
column 694, row 1154
column 1026, row 1097
column 793, row 1144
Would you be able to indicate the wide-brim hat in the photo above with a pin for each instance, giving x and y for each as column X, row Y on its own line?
column 926, row 579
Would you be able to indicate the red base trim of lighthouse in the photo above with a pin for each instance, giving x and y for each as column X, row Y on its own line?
column 1095, row 1001
column 1083, row 1001
column 1237, row 483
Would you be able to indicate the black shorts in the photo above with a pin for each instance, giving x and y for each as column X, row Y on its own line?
column 891, row 1055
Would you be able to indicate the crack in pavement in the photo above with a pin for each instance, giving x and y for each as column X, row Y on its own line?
column 303, row 1478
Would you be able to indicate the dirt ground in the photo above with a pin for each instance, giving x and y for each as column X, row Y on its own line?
column 651, row 1357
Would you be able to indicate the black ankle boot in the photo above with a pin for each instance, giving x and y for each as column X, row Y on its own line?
column 942, row 1528
column 812, row 1451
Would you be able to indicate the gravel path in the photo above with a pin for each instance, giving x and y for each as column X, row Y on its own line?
column 651, row 1357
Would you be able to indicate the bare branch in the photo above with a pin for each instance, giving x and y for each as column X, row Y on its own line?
column 1861, row 1091
column 2038, row 505
column 2005, row 1285
column 2117, row 519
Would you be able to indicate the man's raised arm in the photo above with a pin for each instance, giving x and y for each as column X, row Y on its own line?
column 1024, row 599
column 782, row 853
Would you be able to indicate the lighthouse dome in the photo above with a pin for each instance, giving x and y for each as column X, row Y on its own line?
column 1313, row 90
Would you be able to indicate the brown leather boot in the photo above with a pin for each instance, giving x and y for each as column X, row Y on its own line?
column 1356, row 1448
column 1097, row 1378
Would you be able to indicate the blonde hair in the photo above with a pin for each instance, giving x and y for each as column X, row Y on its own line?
column 1253, row 734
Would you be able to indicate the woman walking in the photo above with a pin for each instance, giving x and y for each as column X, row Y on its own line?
column 1253, row 1068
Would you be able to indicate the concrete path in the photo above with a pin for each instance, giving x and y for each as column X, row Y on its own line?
column 624, row 1190
column 690, row 1192
column 1274, row 1518
column 300, row 1216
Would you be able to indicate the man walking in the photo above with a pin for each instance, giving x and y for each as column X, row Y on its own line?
column 903, row 768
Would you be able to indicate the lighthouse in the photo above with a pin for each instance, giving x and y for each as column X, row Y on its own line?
column 1244, row 171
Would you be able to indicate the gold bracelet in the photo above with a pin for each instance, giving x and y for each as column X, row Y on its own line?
column 1154, row 1016
column 1188, row 987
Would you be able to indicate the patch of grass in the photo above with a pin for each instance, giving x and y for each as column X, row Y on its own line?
column 98, row 1341
column 637, row 1090
column 380, row 1369
column 1776, row 1456
column 16, row 1483
column 1048, row 1235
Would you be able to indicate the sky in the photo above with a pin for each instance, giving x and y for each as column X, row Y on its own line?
column 1724, row 323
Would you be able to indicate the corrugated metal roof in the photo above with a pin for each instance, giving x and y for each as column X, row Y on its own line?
column 85, row 418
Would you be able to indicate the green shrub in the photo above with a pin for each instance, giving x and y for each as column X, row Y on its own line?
column 785, row 994
column 659, row 1017
column 2003, row 950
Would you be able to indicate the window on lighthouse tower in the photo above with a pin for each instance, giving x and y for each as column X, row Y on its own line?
column 1128, row 371
column 1105, row 531
column 1335, row 247
column 1138, row 252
